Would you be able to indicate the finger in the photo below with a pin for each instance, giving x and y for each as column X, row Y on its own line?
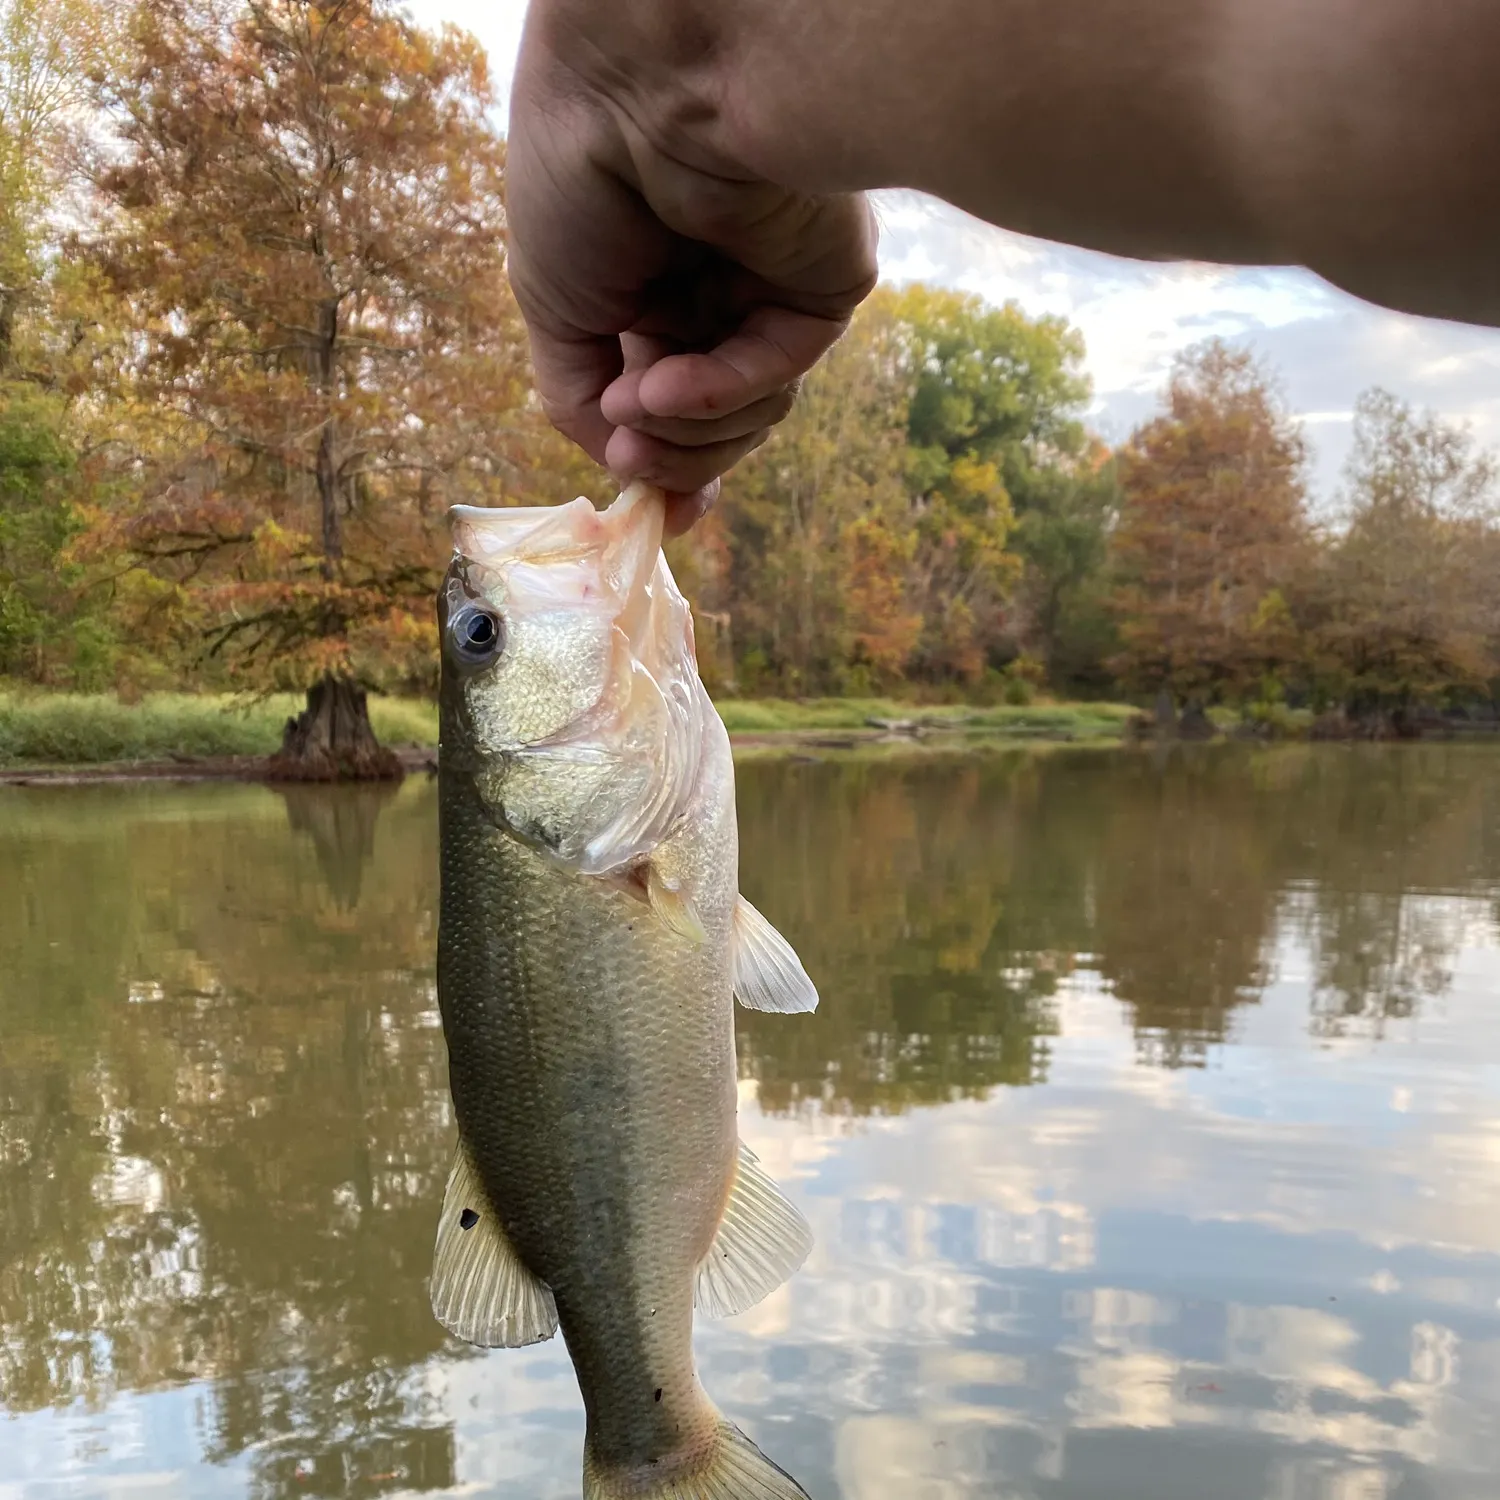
column 695, row 432
column 685, row 511
column 773, row 347
column 633, row 455
column 571, row 371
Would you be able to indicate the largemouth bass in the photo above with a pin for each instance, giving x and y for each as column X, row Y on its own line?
column 591, row 943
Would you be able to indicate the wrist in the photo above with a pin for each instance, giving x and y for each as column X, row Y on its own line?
column 653, row 75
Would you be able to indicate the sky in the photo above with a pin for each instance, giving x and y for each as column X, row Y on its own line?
column 1327, row 347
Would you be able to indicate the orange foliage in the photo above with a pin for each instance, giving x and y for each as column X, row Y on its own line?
column 1212, row 525
column 308, row 231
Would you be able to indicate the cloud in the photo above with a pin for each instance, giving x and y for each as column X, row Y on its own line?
column 497, row 23
column 1136, row 317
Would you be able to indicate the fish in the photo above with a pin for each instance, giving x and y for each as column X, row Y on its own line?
column 592, row 941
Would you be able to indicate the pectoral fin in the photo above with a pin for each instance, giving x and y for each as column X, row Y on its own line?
column 672, row 906
column 762, row 1240
column 480, row 1290
column 768, row 975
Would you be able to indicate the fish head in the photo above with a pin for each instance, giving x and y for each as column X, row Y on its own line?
column 570, row 680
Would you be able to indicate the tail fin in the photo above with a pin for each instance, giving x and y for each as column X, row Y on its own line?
column 733, row 1469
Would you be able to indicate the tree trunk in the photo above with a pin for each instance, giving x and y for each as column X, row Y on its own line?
column 1165, row 712
column 327, row 471
column 1195, row 723
column 331, row 739
column 9, row 297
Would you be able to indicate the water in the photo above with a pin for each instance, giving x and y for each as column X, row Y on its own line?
column 1150, row 1130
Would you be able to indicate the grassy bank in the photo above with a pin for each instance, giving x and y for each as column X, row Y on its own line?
column 87, row 729
column 1084, row 721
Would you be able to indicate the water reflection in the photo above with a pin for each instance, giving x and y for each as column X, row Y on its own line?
column 1241, row 1241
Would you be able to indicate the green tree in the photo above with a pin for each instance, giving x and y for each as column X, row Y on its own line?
column 995, row 420
column 35, row 526
column 1062, row 537
column 52, row 53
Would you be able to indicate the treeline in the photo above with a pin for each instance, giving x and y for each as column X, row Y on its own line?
column 937, row 515
column 256, row 337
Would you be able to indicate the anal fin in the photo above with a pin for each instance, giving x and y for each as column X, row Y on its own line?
column 762, row 1240
column 481, row 1292
column 768, row 975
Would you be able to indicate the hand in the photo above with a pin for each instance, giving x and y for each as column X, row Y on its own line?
column 674, row 298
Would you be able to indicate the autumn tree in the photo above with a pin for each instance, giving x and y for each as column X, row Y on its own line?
column 815, row 558
column 1212, row 522
column 870, row 540
column 306, row 219
column 1401, row 610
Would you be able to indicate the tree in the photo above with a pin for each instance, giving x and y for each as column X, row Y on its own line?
column 1062, row 537
column 994, row 417
column 1212, row 523
column 51, row 54
column 35, row 527
column 1401, row 610
column 308, row 226
column 869, row 540
column 814, row 577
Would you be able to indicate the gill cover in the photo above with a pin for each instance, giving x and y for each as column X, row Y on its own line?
column 591, row 721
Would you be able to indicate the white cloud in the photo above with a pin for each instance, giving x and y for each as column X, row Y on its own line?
column 1136, row 317
column 497, row 23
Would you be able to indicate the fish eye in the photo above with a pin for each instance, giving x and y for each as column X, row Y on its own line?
column 476, row 634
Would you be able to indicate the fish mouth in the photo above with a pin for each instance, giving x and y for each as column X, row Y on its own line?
column 545, row 533
column 643, row 721
column 558, row 557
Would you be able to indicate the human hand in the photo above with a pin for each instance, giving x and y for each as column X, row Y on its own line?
column 674, row 297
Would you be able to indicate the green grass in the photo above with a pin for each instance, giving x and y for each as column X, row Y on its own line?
column 1070, row 720
column 97, row 729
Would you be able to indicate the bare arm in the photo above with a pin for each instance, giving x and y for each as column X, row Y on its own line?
column 1360, row 138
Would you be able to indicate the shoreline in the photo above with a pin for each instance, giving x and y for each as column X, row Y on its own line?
column 793, row 744
column 61, row 739
column 417, row 760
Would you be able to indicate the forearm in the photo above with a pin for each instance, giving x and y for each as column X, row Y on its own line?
column 1359, row 137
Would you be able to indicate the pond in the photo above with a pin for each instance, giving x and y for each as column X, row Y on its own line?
column 1150, row 1130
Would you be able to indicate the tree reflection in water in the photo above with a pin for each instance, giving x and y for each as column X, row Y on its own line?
column 224, row 1125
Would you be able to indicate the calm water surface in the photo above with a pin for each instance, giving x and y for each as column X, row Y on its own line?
column 1150, row 1129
